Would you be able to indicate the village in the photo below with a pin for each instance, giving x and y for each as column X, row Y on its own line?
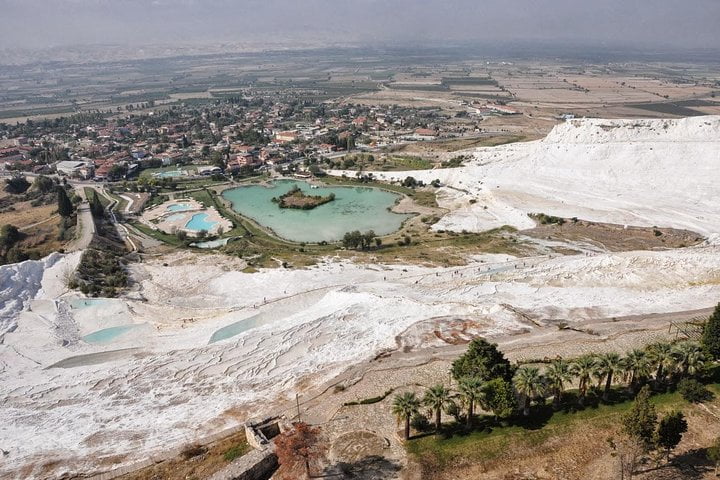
column 234, row 137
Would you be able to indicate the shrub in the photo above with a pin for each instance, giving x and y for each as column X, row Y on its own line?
column 545, row 219
column 711, row 334
column 420, row 423
column 694, row 391
column 16, row 184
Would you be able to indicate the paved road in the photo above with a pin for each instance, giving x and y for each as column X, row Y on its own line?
column 86, row 225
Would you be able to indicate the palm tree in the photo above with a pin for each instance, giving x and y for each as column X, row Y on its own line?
column 607, row 365
column 470, row 390
column 583, row 368
column 558, row 374
column 637, row 368
column 529, row 384
column 404, row 407
column 437, row 398
column 661, row 354
column 689, row 357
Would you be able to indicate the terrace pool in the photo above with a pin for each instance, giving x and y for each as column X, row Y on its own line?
column 235, row 328
column 107, row 334
column 354, row 208
column 199, row 222
column 80, row 303
column 179, row 207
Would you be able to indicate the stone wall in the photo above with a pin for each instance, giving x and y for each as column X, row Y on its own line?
column 256, row 465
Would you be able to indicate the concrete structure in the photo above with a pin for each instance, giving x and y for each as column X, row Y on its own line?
column 74, row 168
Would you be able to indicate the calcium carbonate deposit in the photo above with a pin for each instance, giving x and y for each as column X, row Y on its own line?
column 85, row 381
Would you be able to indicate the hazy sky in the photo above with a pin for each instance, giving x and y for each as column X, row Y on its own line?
column 647, row 23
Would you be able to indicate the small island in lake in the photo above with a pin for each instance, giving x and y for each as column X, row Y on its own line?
column 296, row 198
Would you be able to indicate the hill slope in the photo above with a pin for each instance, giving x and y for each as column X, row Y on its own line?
column 634, row 172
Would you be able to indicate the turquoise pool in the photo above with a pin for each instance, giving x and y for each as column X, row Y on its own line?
column 199, row 222
column 354, row 208
column 107, row 334
column 79, row 303
column 179, row 207
column 235, row 328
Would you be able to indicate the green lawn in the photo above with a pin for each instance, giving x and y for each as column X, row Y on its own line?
column 89, row 192
column 150, row 172
column 489, row 443
column 392, row 162
column 157, row 234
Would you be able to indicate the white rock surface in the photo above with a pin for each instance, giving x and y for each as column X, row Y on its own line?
column 313, row 323
column 635, row 172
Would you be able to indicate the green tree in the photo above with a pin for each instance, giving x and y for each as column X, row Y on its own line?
column 637, row 368
column 662, row 355
column 583, row 368
column 437, row 398
column 530, row 385
column 711, row 334
column 482, row 360
column 43, row 184
column 353, row 239
column 470, row 390
column 498, row 397
column 640, row 422
column 9, row 236
column 606, row 367
column 117, row 171
column 693, row 391
column 16, row 184
column 409, row 182
column 65, row 206
column 689, row 357
column 670, row 431
column 367, row 238
column 96, row 206
column 557, row 375
column 404, row 407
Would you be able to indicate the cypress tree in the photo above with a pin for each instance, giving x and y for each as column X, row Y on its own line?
column 640, row 422
column 96, row 206
column 670, row 431
column 711, row 334
column 65, row 206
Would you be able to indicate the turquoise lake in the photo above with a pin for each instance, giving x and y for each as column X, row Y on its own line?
column 354, row 208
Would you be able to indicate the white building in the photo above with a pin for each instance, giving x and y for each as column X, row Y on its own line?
column 74, row 168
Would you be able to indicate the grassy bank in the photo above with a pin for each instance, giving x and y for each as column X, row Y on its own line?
column 262, row 248
column 545, row 430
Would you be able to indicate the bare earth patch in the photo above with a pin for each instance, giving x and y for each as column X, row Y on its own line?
column 616, row 238
column 197, row 462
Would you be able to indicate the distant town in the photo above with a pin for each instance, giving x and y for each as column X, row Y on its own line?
column 233, row 137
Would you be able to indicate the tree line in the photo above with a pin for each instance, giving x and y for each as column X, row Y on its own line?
column 485, row 378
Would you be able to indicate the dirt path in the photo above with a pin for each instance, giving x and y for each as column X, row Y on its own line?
column 28, row 227
column 85, row 224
